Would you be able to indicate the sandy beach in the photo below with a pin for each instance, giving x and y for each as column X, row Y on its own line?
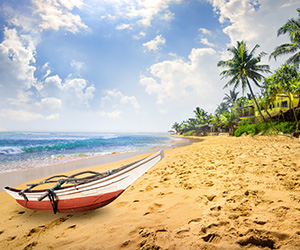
column 219, row 193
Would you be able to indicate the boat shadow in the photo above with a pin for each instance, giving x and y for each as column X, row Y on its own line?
column 43, row 221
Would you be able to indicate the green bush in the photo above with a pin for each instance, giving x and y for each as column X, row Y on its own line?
column 189, row 133
column 246, row 130
column 286, row 127
column 265, row 128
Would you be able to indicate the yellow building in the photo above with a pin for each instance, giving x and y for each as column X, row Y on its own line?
column 280, row 105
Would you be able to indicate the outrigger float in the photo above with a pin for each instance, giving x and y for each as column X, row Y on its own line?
column 72, row 194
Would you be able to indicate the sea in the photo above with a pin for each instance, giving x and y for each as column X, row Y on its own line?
column 24, row 150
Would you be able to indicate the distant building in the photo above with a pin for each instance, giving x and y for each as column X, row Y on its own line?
column 278, row 108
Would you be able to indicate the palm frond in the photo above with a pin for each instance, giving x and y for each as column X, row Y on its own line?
column 284, row 49
column 295, row 59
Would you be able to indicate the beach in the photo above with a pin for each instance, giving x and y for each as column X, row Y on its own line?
column 218, row 193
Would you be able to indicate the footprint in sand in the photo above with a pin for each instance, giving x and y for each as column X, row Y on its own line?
column 183, row 232
column 212, row 238
column 45, row 228
column 18, row 214
column 11, row 238
column 31, row 245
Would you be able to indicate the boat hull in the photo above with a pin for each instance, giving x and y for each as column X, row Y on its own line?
column 86, row 196
column 75, row 205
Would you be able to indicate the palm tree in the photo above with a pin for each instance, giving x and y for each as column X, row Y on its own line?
column 176, row 126
column 231, row 99
column 292, row 27
column 201, row 115
column 242, row 67
column 222, row 108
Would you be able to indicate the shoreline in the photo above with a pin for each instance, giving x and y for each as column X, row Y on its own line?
column 218, row 193
column 19, row 177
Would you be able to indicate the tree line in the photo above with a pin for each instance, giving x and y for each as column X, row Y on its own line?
column 244, row 69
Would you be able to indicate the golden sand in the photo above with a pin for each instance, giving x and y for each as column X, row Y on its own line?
column 219, row 193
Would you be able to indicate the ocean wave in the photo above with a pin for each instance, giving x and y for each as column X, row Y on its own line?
column 25, row 150
column 10, row 150
column 107, row 137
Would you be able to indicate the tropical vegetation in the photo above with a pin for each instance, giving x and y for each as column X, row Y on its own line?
column 243, row 68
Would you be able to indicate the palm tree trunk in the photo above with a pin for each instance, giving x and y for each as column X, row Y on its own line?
column 293, row 111
column 253, row 96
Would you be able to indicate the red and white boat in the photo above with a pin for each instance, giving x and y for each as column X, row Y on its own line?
column 88, row 193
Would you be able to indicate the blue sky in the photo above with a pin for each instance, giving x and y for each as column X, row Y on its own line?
column 123, row 65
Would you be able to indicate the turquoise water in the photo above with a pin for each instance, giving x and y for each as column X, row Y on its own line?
column 28, row 150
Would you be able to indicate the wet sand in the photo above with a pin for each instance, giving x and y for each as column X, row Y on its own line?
column 219, row 193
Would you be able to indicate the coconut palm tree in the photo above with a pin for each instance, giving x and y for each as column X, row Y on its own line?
column 292, row 27
column 222, row 108
column 231, row 98
column 201, row 114
column 242, row 67
column 176, row 126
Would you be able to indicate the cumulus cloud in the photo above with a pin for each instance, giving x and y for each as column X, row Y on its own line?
column 139, row 13
column 154, row 44
column 148, row 9
column 56, row 14
column 206, row 42
column 117, row 98
column 114, row 103
column 193, row 81
column 75, row 91
column 254, row 21
column 17, row 58
column 123, row 26
column 50, row 103
column 205, row 31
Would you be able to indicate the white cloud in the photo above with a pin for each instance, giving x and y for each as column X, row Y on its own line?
column 23, row 97
column 57, row 14
column 148, row 9
column 116, row 114
column 17, row 58
column 255, row 22
column 154, row 44
column 50, row 103
column 123, row 26
column 46, row 68
column 78, row 66
column 23, row 115
column 206, row 42
column 192, row 82
column 205, row 31
column 139, row 35
column 114, row 104
column 74, row 91
column 53, row 116
column 70, row 4
column 139, row 12
column 117, row 98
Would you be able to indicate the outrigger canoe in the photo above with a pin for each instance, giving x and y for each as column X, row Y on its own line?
column 72, row 194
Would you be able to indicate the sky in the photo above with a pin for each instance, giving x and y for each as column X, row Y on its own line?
column 124, row 65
